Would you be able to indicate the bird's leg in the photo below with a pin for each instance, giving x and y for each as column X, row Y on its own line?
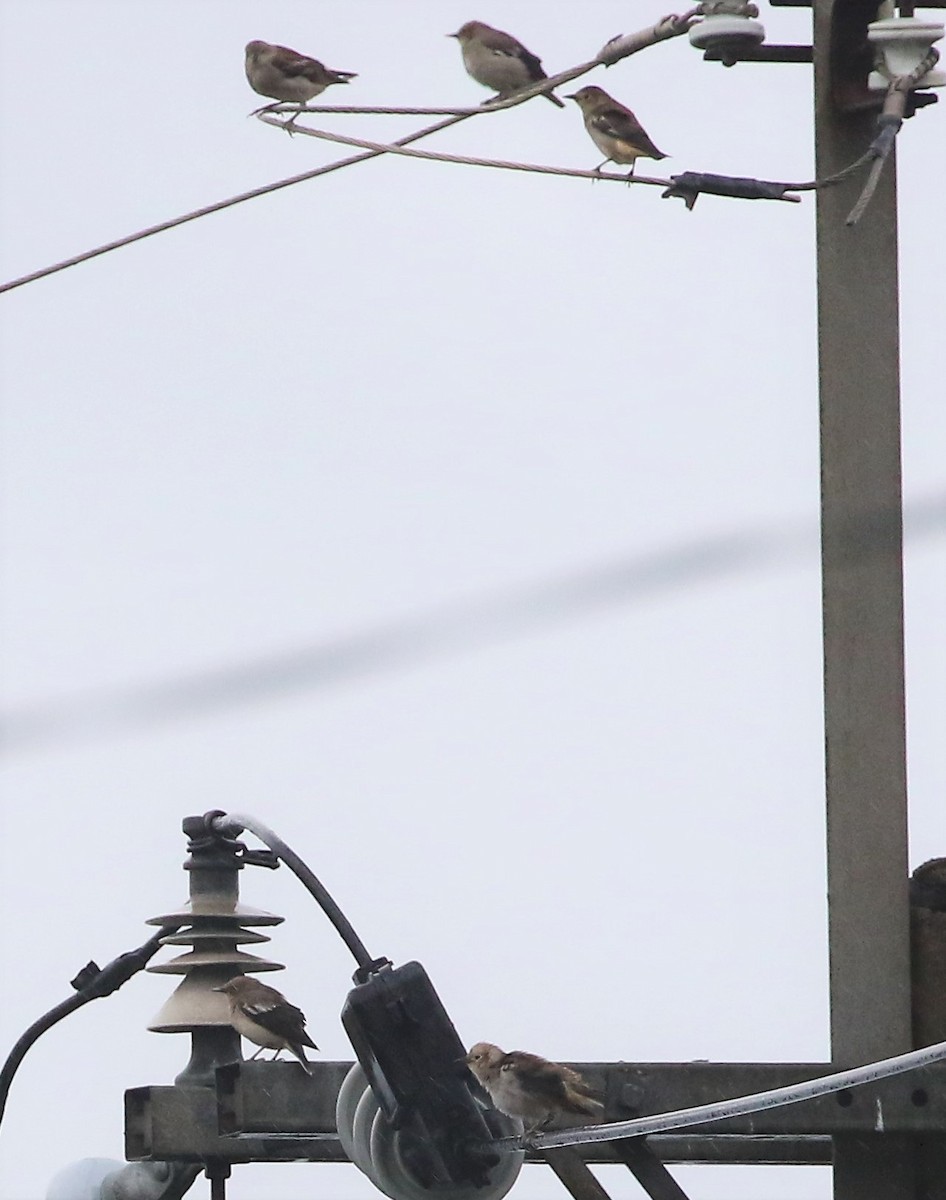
column 598, row 168
column 259, row 1050
column 539, row 1126
column 288, row 126
column 630, row 174
column 265, row 108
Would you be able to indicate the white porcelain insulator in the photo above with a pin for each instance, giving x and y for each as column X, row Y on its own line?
column 904, row 42
column 712, row 31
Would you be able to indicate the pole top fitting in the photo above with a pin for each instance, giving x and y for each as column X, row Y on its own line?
column 728, row 33
column 901, row 45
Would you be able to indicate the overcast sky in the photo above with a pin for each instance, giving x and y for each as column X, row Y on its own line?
column 460, row 525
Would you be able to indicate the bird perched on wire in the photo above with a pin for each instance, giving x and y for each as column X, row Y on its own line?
column 498, row 61
column 614, row 129
column 265, row 1017
column 530, row 1087
column 286, row 76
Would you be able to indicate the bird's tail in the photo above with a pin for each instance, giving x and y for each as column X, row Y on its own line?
column 298, row 1052
column 580, row 1101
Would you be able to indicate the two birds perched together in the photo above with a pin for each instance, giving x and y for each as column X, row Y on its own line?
column 519, row 1084
column 494, row 59
column 499, row 61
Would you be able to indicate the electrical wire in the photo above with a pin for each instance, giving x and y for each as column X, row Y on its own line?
column 613, row 51
column 197, row 213
column 701, row 1114
column 463, row 159
column 449, row 629
column 92, row 983
column 229, row 824
column 871, row 155
column 890, row 122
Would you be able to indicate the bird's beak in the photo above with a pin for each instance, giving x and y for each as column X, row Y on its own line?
column 219, row 989
column 465, row 1059
column 451, row 35
column 571, row 96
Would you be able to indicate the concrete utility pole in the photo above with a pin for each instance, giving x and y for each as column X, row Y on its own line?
column 862, row 582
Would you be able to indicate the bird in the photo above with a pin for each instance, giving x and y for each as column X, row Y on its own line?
column 530, row 1087
column 287, row 76
column 498, row 60
column 613, row 128
column 265, row 1017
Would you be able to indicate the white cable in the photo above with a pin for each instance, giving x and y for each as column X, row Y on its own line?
column 743, row 1105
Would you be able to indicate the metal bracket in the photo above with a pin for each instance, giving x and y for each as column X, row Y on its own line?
column 273, row 1111
column 765, row 53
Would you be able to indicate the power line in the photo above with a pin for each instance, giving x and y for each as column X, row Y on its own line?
column 327, row 169
column 687, row 186
column 719, row 1110
column 449, row 630
column 612, row 52
column 465, row 159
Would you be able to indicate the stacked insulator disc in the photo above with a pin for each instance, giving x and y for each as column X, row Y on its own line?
column 383, row 1153
column 213, row 923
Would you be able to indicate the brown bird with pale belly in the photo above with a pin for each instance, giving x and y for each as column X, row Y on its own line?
column 613, row 128
column 531, row 1088
column 266, row 1018
column 499, row 61
column 287, row 76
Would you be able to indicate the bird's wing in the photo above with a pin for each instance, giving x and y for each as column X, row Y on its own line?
column 544, row 1079
column 281, row 1018
column 582, row 1097
column 621, row 123
column 505, row 43
column 576, row 1081
column 617, row 123
column 290, row 62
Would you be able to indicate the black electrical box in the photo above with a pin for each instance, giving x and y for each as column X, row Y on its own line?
column 413, row 1058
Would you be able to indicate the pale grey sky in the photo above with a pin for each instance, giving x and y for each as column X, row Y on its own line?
column 407, row 389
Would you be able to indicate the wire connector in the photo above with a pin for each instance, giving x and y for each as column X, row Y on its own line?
column 93, row 982
column 369, row 970
column 691, row 184
column 209, row 830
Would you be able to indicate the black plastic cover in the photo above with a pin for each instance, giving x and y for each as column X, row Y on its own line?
column 413, row 1058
